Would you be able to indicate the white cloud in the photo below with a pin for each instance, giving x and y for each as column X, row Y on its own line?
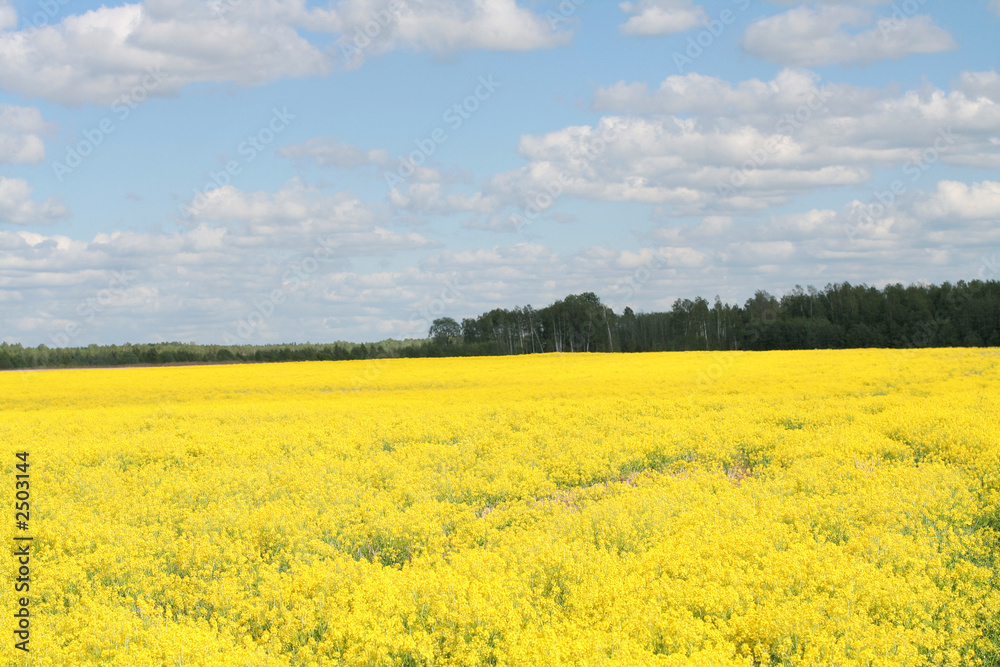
column 198, row 283
column 8, row 15
column 660, row 17
column 446, row 25
column 812, row 36
column 995, row 6
column 831, row 2
column 666, row 161
column 329, row 152
column 978, row 85
column 700, row 144
column 295, row 206
column 518, row 255
column 433, row 198
column 373, row 27
column 426, row 191
column 101, row 55
column 698, row 94
column 172, row 281
column 20, row 128
column 298, row 213
column 437, row 192
column 17, row 206
column 954, row 200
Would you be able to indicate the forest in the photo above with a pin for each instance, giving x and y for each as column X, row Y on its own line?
column 964, row 314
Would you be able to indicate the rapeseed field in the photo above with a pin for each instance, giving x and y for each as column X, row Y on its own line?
column 782, row 508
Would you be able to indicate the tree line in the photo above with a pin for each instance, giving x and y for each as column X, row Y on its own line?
column 151, row 354
column 964, row 314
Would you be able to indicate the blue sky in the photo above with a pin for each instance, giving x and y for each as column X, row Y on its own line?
column 253, row 171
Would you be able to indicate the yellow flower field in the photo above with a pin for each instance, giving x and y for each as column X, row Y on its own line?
column 783, row 508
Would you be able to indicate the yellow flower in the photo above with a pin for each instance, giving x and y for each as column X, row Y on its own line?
column 807, row 508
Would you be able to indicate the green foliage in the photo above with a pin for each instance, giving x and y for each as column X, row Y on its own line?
column 839, row 316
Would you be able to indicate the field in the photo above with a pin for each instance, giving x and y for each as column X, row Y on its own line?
column 787, row 508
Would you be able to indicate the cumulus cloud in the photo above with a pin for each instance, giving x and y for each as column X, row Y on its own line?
column 518, row 255
column 329, row 152
column 700, row 144
column 698, row 94
column 199, row 283
column 446, row 25
column 652, row 161
column 166, row 286
column 426, row 191
column 660, row 17
column 373, row 27
column 298, row 213
column 296, row 209
column 809, row 36
column 980, row 85
column 432, row 191
column 20, row 128
column 8, row 15
column 102, row 55
column 831, row 2
column 433, row 198
column 954, row 200
column 17, row 206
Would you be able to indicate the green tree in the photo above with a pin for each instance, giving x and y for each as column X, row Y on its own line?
column 444, row 329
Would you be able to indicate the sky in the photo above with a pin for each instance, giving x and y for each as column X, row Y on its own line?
column 276, row 171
